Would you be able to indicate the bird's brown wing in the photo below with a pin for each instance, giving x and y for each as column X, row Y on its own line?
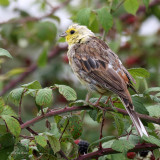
column 102, row 67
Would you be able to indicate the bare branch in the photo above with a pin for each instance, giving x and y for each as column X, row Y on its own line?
column 71, row 109
column 105, row 151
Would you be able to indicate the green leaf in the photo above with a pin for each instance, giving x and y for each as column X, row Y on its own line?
column 139, row 107
column 105, row 18
column 31, row 92
column 156, row 153
column 67, row 92
column 44, row 97
column 119, row 156
column 152, row 140
column 4, row 2
column 132, row 138
column 42, row 59
column 139, row 73
column 154, row 110
column 93, row 114
column 15, row 95
column 131, row 6
column 93, row 23
column 152, row 89
column 83, row 16
column 41, row 140
column 1, row 102
column 23, row 152
column 7, row 110
column 146, row 3
column 119, row 124
column 32, row 85
column 122, row 145
column 46, row 31
column 4, row 52
column 55, row 144
column 75, row 126
column 15, row 71
column 78, row 103
column 12, row 124
column 104, row 139
column 7, row 145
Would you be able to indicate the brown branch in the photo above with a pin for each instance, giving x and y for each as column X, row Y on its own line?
column 101, row 130
column 105, row 151
column 32, row 19
column 56, row 50
column 63, row 154
column 71, row 109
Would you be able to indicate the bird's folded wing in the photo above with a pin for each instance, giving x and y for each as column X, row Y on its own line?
column 103, row 68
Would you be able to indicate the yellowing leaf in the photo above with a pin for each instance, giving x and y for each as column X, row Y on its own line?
column 15, row 71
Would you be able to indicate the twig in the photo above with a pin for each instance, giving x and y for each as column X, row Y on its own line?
column 64, row 130
column 118, row 5
column 28, row 128
column 63, row 154
column 20, row 105
column 101, row 134
column 27, row 137
column 105, row 151
column 71, row 109
column 56, row 50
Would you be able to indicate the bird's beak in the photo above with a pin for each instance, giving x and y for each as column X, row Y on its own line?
column 64, row 34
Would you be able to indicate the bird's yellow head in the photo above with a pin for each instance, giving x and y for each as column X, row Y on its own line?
column 76, row 34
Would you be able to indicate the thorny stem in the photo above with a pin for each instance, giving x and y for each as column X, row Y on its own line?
column 106, row 151
column 101, row 134
column 75, row 108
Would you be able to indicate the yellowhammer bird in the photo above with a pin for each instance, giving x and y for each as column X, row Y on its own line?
column 99, row 68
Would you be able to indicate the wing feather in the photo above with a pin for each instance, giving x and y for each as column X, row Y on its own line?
column 101, row 65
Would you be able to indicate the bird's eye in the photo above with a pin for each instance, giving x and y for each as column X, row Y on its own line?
column 72, row 32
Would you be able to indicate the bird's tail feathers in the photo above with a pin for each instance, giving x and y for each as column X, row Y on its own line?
column 135, row 119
